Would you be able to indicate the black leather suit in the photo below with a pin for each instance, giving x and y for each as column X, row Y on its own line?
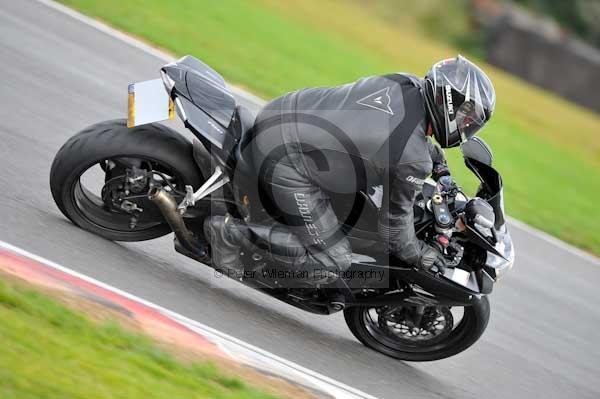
column 343, row 139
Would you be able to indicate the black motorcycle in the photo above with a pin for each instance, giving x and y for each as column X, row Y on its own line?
column 154, row 181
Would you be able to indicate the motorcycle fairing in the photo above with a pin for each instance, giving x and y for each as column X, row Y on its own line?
column 200, row 88
column 200, row 122
column 501, row 255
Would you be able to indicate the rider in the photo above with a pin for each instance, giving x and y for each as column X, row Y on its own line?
column 309, row 143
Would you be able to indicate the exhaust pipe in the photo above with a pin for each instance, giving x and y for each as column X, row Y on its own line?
column 186, row 243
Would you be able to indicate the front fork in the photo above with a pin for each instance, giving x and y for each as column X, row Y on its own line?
column 419, row 311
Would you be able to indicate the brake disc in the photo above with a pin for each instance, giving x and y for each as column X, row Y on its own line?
column 436, row 324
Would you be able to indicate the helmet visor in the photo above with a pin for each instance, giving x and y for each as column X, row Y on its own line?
column 470, row 118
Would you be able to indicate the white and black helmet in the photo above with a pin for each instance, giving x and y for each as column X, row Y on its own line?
column 460, row 99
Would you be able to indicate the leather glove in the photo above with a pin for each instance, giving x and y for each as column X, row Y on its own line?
column 432, row 255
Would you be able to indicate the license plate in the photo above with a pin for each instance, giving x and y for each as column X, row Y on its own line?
column 148, row 102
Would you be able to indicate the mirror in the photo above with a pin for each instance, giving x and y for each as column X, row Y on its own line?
column 476, row 148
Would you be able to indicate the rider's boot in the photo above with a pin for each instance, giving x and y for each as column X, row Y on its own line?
column 286, row 248
column 227, row 234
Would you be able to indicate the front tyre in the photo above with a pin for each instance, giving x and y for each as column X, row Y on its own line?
column 390, row 332
column 101, row 176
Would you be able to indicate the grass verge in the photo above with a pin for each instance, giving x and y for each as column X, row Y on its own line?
column 547, row 149
column 50, row 351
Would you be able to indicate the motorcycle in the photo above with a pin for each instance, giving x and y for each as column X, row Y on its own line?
column 155, row 181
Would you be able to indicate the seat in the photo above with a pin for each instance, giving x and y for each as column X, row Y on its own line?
column 217, row 101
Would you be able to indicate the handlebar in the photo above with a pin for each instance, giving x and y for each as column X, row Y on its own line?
column 444, row 194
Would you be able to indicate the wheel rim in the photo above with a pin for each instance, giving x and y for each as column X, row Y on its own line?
column 439, row 328
column 90, row 201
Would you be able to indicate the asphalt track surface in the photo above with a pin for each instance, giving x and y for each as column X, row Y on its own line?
column 58, row 75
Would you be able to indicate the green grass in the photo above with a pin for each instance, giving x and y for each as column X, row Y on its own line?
column 547, row 149
column 48, row 351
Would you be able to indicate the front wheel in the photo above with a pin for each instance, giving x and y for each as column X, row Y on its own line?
column 100, row 178
column 441, row 332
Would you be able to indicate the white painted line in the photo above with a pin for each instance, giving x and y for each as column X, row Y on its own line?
column 256, row 356
column 164, row 56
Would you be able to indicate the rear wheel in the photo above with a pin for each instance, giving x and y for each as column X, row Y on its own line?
column 441, row 332
column 101, row 176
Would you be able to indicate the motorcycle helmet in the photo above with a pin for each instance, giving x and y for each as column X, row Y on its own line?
column 459, row 98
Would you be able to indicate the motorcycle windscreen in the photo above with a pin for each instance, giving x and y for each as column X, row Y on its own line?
column 491, row 187
column 148, row 102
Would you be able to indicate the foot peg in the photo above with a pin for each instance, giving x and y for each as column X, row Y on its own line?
column 207, row 188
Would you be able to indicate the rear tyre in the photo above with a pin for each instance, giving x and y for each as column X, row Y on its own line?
column 459, row 337
column 151, row 146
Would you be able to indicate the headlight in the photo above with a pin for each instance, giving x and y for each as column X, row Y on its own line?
column 501, row 264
